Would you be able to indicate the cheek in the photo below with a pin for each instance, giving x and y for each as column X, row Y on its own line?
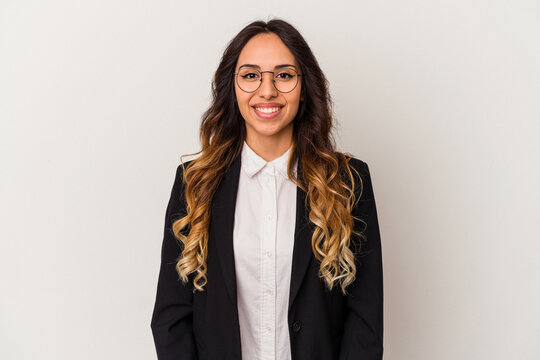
column 294, row 101
column 242, row 99
column 236, row 93
column 243, row 102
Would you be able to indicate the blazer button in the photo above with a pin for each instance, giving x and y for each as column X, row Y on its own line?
column 296, row 326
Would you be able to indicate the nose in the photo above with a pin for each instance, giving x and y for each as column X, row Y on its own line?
column 267, row 89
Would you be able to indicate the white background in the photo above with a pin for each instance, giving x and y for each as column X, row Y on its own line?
column 98, row 100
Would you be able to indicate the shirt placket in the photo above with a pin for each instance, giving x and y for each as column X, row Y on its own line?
column 268, row 270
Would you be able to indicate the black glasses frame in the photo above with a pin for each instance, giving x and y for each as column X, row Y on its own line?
column 260, row 81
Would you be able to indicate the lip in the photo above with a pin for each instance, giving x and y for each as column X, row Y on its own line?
column 270, row 104
column 265, row 115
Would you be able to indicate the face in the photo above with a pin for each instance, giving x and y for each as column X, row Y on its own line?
column 267, row 51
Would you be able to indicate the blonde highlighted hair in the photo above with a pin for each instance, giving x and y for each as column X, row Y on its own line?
column 327, row 177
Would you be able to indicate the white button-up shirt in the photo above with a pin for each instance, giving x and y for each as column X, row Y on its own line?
column 263, row 239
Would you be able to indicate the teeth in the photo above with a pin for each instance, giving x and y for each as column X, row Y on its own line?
column 268, row 110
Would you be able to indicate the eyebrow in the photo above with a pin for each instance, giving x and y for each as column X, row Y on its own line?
column 275, row 67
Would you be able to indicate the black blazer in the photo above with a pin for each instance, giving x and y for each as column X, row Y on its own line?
column 323, row 324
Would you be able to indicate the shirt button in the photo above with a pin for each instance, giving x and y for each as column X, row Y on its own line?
column 269, row 254
column 268, row 217
column 269, row 292
column 269, row 328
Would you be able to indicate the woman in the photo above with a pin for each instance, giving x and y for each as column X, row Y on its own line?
column 271, row 246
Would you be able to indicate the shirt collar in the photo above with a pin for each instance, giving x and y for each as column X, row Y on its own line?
column 253, row 163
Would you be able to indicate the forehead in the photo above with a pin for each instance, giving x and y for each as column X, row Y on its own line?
column 267, row 51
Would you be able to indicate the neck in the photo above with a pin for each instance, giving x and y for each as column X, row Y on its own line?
column 269, row 148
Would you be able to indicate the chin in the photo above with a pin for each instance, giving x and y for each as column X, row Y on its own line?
column 267, row 132
column 268, row 129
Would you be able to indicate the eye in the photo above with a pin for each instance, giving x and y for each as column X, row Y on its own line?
column 284, row 76
column 249, row 75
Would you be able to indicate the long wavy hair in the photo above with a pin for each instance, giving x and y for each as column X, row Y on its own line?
column 326, row 175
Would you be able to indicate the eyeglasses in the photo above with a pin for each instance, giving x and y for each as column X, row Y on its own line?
column 249, row 79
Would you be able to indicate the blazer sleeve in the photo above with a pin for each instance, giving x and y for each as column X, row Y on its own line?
column 363, row 329
column 172, row 318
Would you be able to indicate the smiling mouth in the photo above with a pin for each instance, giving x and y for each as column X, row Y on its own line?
column 268, row 110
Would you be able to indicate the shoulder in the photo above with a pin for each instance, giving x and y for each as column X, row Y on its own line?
column 179, row 177
column 176, row 207
column 365, row 186
column 181, row 166
column 359, row 165
column 179, row 184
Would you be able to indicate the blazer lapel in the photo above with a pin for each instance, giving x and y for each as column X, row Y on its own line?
column 302, row 253
column 222, row 226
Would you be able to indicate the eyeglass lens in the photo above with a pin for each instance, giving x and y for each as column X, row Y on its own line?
column 249, row 79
